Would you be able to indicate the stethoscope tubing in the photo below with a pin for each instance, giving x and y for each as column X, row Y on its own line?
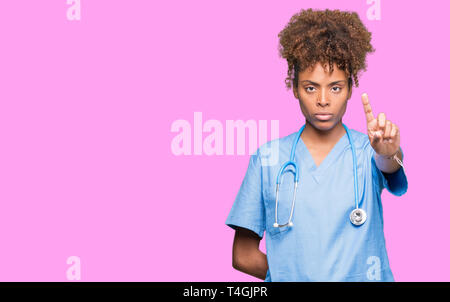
column 292, row 162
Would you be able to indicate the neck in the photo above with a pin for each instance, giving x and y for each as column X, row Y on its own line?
column 320, row 137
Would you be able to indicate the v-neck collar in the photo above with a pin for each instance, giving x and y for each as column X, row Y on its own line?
column 308, row 160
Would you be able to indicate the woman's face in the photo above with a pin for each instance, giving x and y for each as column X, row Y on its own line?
column 320, row 92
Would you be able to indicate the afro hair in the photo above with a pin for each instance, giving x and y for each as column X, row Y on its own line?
column 326, row 37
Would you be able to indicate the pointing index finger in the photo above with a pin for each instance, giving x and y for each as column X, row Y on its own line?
column 367, row 108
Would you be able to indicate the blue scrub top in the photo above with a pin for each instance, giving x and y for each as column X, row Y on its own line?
column 322, row 245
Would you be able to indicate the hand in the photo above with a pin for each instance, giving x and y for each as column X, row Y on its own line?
column 384, row 135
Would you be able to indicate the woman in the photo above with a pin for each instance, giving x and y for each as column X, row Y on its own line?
column 333, row 229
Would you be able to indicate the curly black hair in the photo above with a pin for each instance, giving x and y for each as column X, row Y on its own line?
column 329, row 36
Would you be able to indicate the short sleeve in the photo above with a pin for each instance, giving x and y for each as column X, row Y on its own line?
column 248, row 209
column 396, row 183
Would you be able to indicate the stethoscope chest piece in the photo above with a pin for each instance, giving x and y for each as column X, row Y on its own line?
column 358, row 216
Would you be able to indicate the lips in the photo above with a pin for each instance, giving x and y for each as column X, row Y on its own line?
column 323, row 116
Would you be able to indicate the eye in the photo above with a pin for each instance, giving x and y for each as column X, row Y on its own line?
column 336, row 89
column 339, row 89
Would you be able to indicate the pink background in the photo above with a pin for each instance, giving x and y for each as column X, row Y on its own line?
column 86, row 166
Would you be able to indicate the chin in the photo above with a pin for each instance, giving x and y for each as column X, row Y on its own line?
column 324, row 125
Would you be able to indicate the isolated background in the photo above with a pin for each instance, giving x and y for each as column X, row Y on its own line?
column 86, row 108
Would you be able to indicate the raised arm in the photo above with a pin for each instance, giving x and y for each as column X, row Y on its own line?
column 384, row 137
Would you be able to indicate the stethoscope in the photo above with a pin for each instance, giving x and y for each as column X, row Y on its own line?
column 357, row 216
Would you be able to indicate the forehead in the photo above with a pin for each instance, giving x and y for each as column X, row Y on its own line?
column 318, row 74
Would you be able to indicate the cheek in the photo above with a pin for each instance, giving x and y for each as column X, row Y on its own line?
column 304, row 108
column 343, row 107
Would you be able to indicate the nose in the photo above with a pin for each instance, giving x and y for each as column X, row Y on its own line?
column 322, row 98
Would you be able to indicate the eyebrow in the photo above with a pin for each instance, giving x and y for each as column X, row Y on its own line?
column 317, row 84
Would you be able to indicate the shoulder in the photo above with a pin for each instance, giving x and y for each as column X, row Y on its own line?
column 362, row 144
column 276, row 145
column 360, row 139
column 269, row 153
